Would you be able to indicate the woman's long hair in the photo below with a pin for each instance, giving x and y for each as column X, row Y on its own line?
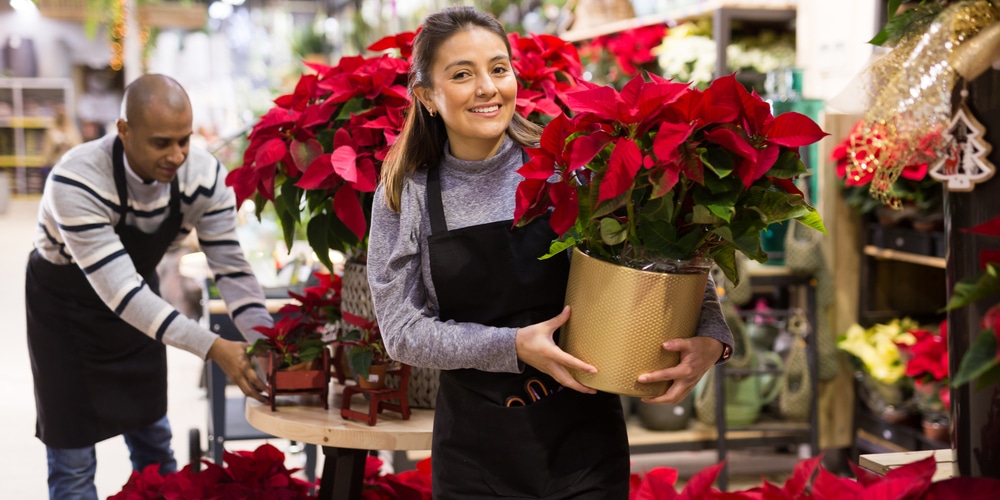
column 421, row 142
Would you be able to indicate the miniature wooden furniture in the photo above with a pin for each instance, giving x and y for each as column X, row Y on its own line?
column 380, row 399
column 311, row 381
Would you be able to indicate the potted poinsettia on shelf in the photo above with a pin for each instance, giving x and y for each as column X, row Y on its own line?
column 298, row 359
column 927, row 364
column 659, row 178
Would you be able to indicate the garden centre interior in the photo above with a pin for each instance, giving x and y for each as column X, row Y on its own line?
column 844, row 347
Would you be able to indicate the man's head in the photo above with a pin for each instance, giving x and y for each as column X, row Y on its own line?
column 155, row 127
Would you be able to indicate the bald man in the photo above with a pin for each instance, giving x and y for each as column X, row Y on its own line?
column 97, row 327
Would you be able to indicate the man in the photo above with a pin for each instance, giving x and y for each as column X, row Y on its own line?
column 97, row 328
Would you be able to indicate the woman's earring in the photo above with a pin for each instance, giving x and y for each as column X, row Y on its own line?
column 432, row 112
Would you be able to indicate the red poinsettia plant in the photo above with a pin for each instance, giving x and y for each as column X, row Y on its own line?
column 856, row 158
column 620, row 56
column 248, row 474
column 927, row 364
column 661, row 173
column 982, row 361
column 297, row 335
column 547, row 67
column 811, row 481
column 407, row 485
column 317, row 154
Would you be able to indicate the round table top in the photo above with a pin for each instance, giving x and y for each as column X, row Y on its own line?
column 314, row 425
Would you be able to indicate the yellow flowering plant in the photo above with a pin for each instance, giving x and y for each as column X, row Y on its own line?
column 877, row 348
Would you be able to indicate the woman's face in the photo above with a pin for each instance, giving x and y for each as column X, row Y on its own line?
column 473, row 90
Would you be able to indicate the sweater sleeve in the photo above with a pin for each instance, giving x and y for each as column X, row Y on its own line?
column 712, row 323
column 82, row 215
column 234, row 278
column 412, row 331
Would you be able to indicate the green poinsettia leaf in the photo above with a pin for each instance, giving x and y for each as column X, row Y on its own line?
column 788, row 165
column 360, row 359
column 702, row 214
column 316, row 233
column 776, row 206
column 288, row 209
column 259, row 347
column 559, row 246
column 353, row 107
column 658, row 209
column 812, row 220
column 981, row 357
column 608, row 206
column 718, row 160
column 970, row 290
column 721, row 203
column 612, row 231
column 725, row 258
column 310, row 350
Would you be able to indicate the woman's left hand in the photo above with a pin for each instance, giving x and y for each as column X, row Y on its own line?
column 698, row 355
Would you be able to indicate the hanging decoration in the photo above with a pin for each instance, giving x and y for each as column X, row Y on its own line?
column 910, row 91
column 118, row 33
column 964, row 162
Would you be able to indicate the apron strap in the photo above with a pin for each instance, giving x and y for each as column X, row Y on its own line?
column 118, row 162
column 435, row 207
column 118, row 165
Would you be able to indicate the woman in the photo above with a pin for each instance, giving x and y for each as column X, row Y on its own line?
column 456, row 288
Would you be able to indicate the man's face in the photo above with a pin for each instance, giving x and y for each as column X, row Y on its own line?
column 157, row 143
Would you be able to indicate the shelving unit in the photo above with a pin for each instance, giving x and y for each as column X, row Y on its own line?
column 901, row 275
column 27, row 110
column 722, row 12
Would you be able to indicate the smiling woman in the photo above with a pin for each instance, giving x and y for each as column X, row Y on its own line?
column 473, row 88
column 457, row 287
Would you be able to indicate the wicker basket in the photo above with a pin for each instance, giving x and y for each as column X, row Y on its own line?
column 592, row 13
column 357, row 299
column 621, row 317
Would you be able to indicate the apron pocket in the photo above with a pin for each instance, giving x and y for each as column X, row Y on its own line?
column 547, row 446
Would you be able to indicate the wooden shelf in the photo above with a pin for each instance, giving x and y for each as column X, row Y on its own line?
column 22, row 161
column 26, row 121
column 677, row 15
column 889, row 254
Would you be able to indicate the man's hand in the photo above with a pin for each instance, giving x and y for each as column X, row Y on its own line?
column 536, row 348
column 232, row 358
column 698, row 355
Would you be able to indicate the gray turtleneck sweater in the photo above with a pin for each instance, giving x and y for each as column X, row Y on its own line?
column 473, row 193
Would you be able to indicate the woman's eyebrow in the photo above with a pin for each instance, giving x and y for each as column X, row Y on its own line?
column 469, row 63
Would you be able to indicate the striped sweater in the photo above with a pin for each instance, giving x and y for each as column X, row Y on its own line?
column 76, row 221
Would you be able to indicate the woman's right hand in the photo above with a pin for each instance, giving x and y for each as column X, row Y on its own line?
column 536, row 347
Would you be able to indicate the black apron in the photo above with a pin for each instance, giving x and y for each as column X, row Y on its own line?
column 565, row 445
column 95, row 375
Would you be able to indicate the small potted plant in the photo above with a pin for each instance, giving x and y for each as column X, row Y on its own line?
column 365, row 351
column 649, row 184
column 298, row 358
column 880, row 369
column 927, row 364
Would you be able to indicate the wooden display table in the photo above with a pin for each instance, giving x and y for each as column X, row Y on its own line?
column 345, row 442
column 882, row 463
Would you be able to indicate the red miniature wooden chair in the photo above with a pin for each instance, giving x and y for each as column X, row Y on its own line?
column 379, row 399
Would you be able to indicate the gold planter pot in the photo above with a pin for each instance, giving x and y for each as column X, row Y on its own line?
column 620, row 318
